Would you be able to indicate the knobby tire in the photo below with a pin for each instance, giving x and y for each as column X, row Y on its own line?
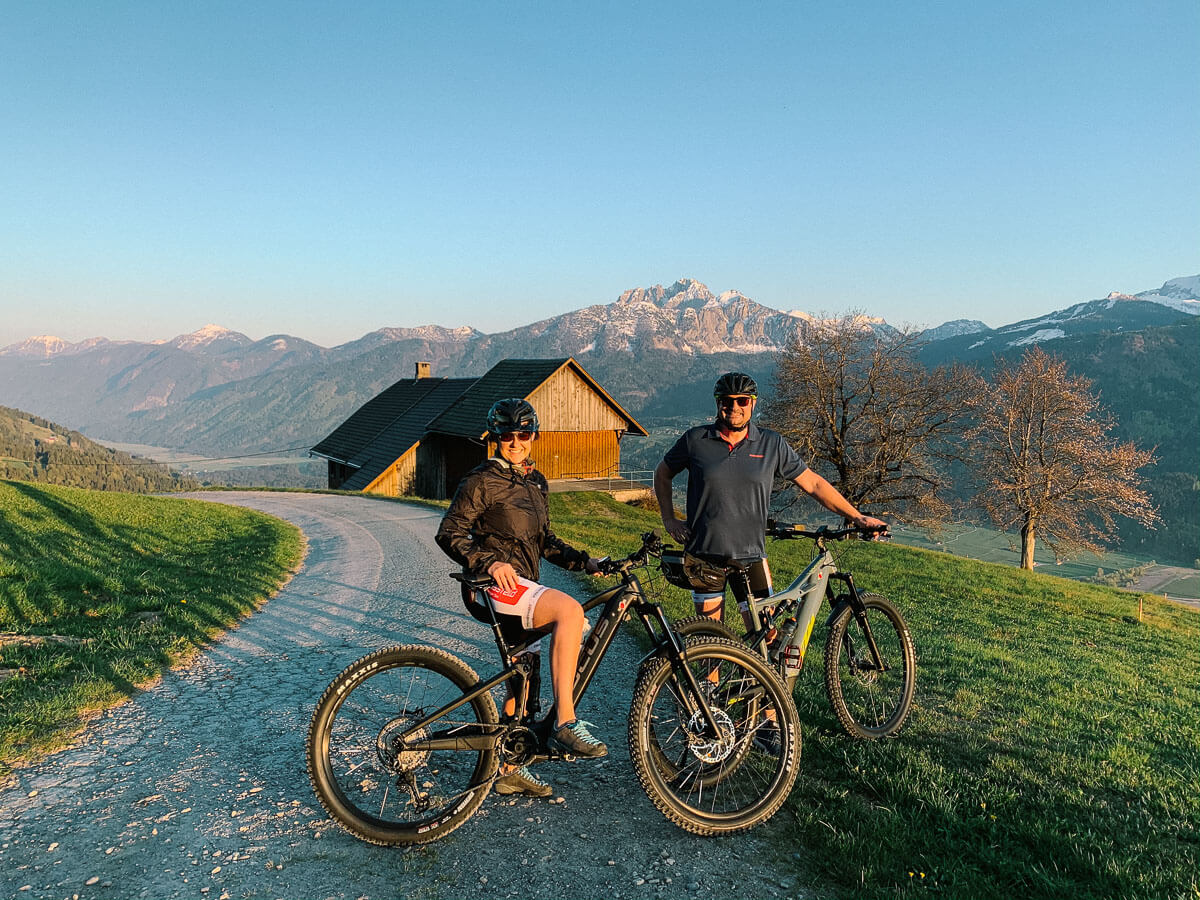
column 714, row 785
column 869, row 703
column 365, row 780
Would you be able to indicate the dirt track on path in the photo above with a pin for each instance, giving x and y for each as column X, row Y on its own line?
column 197, row 787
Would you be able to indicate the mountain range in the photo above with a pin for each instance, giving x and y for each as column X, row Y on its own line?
column 217, row 392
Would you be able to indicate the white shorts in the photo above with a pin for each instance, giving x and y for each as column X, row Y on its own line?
column 520, row 601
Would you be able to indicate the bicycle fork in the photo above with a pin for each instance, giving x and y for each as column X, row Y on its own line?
column 858, row 609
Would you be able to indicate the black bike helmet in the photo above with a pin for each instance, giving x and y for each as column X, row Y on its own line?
column 511, row 414
column 732, row 384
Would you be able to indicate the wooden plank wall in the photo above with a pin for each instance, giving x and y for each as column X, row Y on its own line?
column 565, row 403
column 398, row 478
column 576, row 454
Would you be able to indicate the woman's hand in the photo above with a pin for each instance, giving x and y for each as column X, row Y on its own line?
column 503, row 574
column 592, row 567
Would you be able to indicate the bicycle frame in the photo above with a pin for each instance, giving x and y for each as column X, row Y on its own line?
column 803, row 597
column 618, row 602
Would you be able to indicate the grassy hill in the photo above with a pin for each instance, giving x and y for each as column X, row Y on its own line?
column 34, row 449
column 1054, row 748
column 100, row 591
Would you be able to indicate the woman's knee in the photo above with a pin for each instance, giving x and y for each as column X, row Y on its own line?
column 559, row 609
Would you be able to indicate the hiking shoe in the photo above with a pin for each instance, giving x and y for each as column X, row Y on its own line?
column 576, row 739
column 522, row 781
column 768, row 739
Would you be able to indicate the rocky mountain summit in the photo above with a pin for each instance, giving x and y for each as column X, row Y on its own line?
column 685, row 318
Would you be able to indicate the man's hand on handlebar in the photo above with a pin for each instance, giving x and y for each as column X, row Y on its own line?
column 875, row 529
column 868, row 529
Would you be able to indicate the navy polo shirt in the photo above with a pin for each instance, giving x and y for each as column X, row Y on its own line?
column 729, row 489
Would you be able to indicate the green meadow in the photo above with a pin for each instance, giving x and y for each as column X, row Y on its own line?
column 100, row 591
column 1054, row 747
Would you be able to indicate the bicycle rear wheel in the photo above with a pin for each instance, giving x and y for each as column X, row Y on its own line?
column 714, row 784
column 870, row 701
column 361, row 773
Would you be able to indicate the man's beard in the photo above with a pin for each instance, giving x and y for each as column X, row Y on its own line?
column 725, row 425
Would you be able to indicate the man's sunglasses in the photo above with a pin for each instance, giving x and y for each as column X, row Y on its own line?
column 509, row 436
column 730, row 401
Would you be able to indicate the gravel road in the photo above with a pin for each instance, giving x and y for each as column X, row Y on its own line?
column 197, row 787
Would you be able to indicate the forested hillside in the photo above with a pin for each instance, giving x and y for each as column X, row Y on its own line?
column 34, row 449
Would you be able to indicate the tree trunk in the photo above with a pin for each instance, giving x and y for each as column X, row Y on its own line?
column 1028, row 536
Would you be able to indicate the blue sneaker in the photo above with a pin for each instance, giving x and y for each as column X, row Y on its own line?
column 574, row 738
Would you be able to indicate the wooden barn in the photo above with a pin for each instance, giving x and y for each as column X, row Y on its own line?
column 422, row 434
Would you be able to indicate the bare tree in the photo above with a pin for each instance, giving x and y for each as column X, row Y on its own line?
column 1048, row 463
column 864, row 412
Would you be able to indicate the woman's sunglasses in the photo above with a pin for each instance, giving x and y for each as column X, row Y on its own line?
column 509, row 436
column 730, row 401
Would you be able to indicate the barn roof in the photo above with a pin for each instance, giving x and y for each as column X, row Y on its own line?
column 513, row 378
column 404, row 431
column 370, row 419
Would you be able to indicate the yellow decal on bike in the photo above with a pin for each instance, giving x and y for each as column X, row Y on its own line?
column 807, row 634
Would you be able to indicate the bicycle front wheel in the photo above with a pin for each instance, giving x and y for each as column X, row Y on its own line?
column 871, row 700
column 694, row 625
column 362, row 773
column 719, row 783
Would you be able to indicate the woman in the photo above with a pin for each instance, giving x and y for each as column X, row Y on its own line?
column 499, row 523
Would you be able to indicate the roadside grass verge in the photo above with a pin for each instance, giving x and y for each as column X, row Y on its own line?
column 99, row 592
column 1053, row 750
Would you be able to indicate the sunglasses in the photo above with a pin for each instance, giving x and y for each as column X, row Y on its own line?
column 509, row 436
column 731, row 401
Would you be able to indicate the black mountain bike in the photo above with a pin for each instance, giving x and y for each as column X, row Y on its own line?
column 405, row 743
column 870, row 661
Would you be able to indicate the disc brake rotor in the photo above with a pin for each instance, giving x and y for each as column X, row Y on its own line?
column 713, row 750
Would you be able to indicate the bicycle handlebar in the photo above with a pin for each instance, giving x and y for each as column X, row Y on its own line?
column 784, row 531
column 651, row 544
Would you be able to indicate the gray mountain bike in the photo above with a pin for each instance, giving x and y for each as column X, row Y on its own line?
column 870, row 661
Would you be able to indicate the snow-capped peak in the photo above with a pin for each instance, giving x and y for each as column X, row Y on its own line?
column 208, row 336
column 1182, row 294
column 43, row 345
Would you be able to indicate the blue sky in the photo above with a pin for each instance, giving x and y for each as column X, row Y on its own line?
column 326, row 169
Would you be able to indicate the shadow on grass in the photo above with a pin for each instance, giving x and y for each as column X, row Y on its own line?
column 139, row 581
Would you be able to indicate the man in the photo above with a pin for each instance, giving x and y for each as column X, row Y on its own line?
column 731, row 465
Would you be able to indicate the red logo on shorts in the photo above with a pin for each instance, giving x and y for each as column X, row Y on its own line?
column 509, row 597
